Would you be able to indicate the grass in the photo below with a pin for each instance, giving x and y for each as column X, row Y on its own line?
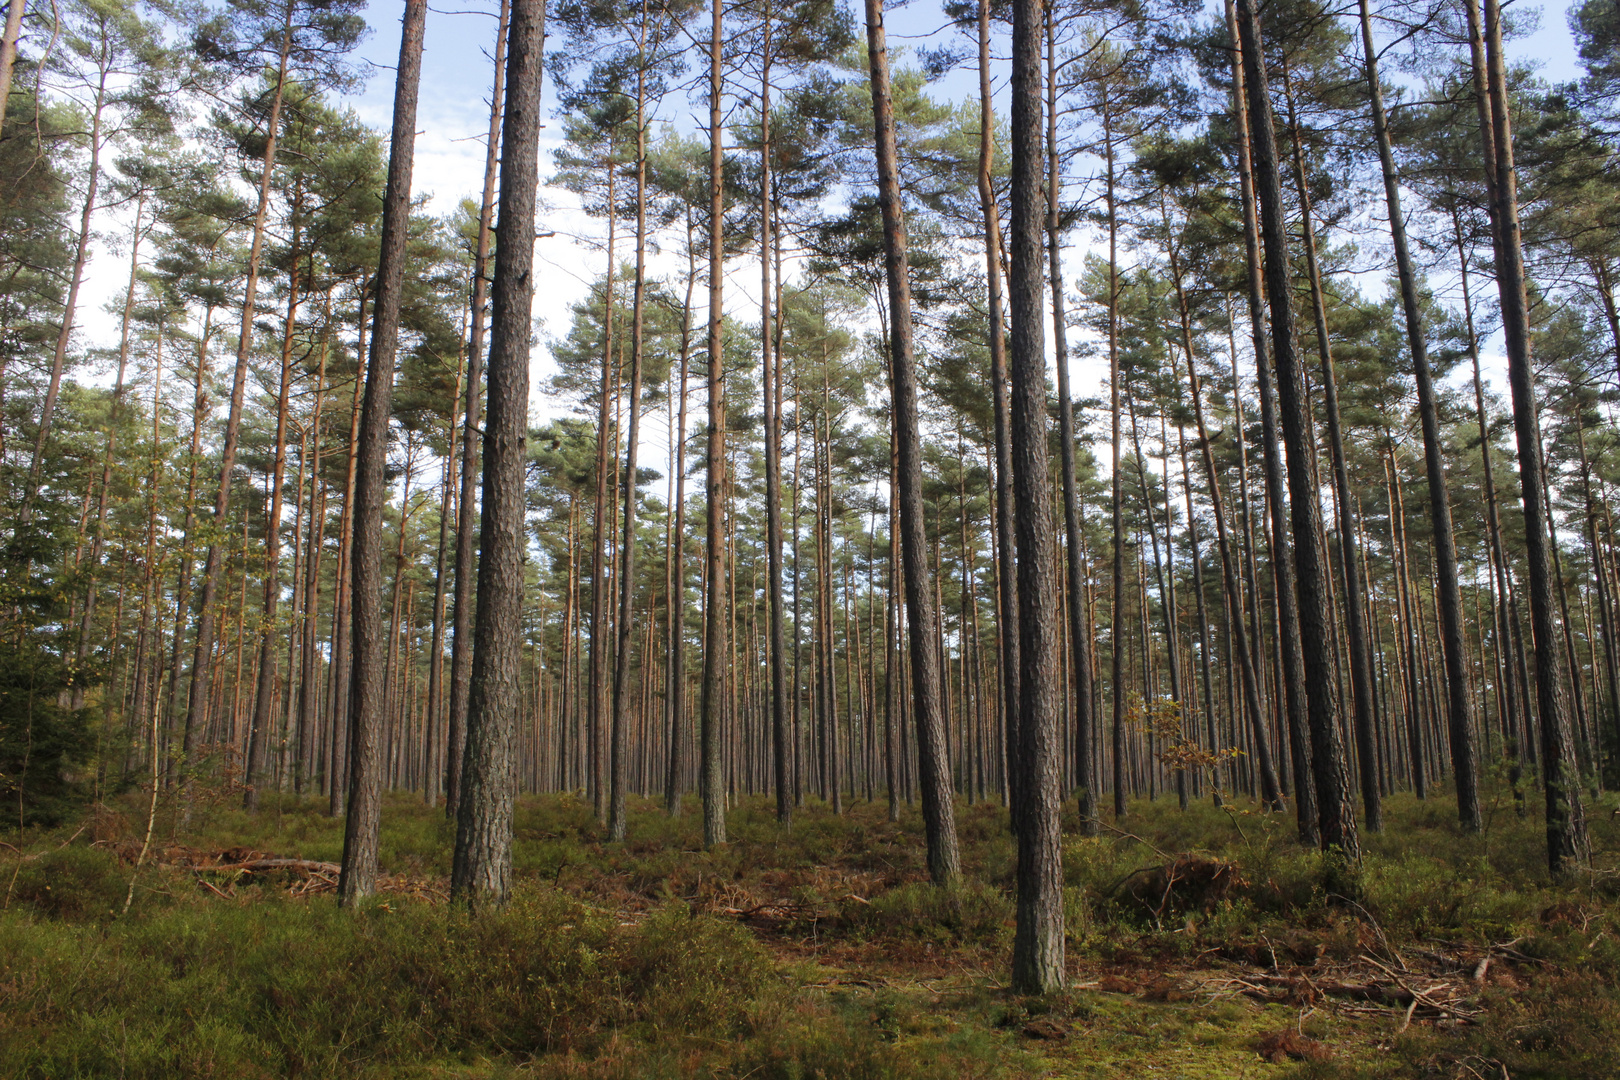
column 814, row 952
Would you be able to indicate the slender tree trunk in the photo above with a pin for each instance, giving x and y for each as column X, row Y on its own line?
column 1335, row 812
column 1463, row 767
column 98, row 541
column 1116, row 637
column 308, row 683
column 368, row 693
column 770, row 384
column 434, row 773
column 202, row 656
column 1006, row 574
column 624, row 623
column 675, row 668
column 338, row 743
column 1566, row 821
column 264, row 695
column 482, row 869
column 1292, row 668
column 1038, row 939
column 1361, row 680
column 712, row 770
column 939, row 811
column 1079, row 631
column 462, row 621
column 81, row 256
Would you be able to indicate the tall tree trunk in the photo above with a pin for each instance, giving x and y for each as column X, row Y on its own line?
column 712, row 769
column 202, row 656
column 770, row 385
column 1514, row 720
column 338, row 742
column 675, row 667
column 1566, row 821
column 1006, row 573
column 1292, row 691
column 607, row 469
column 433, row 771
column 1038, row 939
column 81, row 256
column 482, row 869
column 368, row 692
column 1079, row 631
column 183, row 575
column 98, row 541
column 1361, row 680
column 265, row 692
column 471, row 432
column 939, row 812
column 1116, row 637
column 1335, row 813
column 624, row 623
column 308, row 684
column 1463, row 767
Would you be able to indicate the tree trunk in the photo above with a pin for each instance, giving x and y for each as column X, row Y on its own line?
column 368, row 692
column 675, row 668
column 202, row 656
column 712, row 771
column 770, row 385
column 624, row 623
column 1361, row 681
column 482, row 870
column 1463, row 767
column 1335, row 812
column 1079, row 630
column 8, row 53
column 462, row 621
column 1292, row 673
column 433, row 773
column 1038, row 939
column 98, row 541
column 1566, row 821
column 265, row 692
column 939, row 811
column 1006, row 574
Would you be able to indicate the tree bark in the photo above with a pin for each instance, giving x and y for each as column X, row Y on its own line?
column 712, row 770
column 624, row 624
column 368, row 692
column 1567, row 841
column 1006, row 572
column 264, row 694
column 482, row 870
column 8, row 53
column 1038, row 938
column 1079, row 629
column 939, row 811
column 462, row 622
column 770, row 384
column 1463, row 767
column 1361, row 680
column 1292, row 673
column 1335, row 813
column 203, row 652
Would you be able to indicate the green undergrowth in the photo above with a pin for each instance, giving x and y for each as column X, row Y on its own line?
column 816, row 951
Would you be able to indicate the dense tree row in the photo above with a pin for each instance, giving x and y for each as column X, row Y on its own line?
column 1291, row 548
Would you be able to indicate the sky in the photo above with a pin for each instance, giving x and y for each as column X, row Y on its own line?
column 453, row 116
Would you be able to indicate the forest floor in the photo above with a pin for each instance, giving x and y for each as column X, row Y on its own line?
column 1201, row 944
